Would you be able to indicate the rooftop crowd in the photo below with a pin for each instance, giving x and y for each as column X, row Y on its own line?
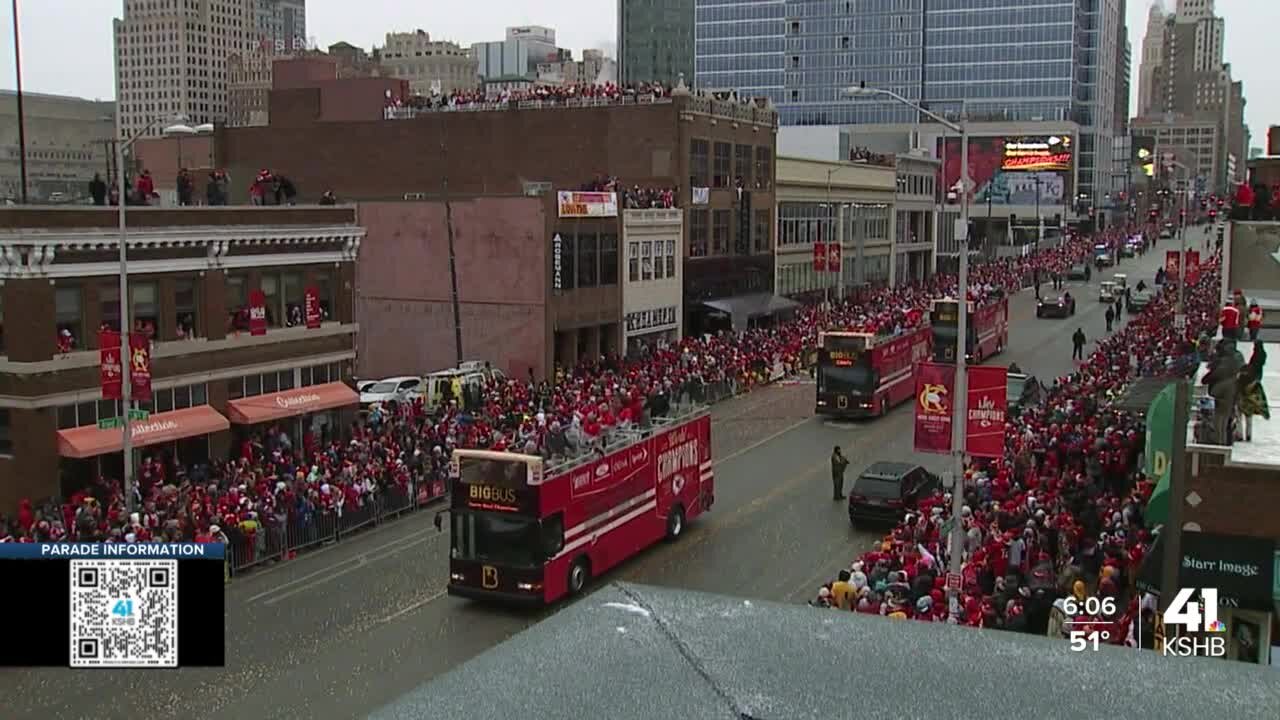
column 612, row 92
column 1060, row 514
column 274, row 478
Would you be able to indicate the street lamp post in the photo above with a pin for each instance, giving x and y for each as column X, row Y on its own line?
column 126, row 389
column 960, row 398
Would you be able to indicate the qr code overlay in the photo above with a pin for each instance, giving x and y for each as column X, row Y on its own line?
column 124, row 613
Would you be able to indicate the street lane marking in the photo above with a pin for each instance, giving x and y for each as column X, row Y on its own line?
column 362, row 561
column 330, row 568
column 414, row 606
column 767, row 439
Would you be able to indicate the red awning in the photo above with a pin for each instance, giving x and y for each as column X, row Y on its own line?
column 290, row 403
column 86, row 442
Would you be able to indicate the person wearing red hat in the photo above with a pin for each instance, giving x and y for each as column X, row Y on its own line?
column 1253, row 321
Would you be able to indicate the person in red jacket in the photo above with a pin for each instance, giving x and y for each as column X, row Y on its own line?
column 1230, row 321
column 1254, row 320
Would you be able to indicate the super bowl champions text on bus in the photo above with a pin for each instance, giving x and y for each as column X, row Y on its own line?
column 529, row 531
column 988, row 329
column 863, row 375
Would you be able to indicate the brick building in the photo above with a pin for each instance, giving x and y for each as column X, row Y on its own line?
column 686, row 141
column 192, row 274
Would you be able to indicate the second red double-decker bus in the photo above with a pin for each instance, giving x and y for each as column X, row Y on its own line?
column 861, row 375
column 526, row 531
column 988, row 329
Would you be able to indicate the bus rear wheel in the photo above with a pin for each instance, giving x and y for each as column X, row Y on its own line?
column 675, row 523
column 579, row 574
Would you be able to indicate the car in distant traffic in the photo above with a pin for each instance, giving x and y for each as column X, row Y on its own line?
column 1021, row 391
column 1139, row 299
column 886, row 491
column 1056, row 307
column 1080, row 271
column 394, row 388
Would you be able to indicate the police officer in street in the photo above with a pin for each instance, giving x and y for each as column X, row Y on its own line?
column 838, row 464
column 1077, row 344
column 1110, row 316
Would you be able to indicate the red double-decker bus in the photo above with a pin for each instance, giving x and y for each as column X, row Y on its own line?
column 988, row 329
column 863, row 375
column 530, row 532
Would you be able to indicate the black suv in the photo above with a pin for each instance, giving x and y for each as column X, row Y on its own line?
column 887, row 490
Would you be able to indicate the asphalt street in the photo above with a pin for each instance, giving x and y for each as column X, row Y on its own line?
column 338, row 632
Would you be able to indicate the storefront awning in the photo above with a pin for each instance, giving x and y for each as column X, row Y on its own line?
column 290, row 403
column 1241, row 568
column 87, row 442
column 742, row 308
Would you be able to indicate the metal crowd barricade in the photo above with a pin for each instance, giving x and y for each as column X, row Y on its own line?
column 354, row 518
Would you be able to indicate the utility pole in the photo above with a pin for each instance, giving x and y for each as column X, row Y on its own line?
column 22, row 119
column 959, row 400
column 448, row 226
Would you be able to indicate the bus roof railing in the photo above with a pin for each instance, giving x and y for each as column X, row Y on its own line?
column 609, row 441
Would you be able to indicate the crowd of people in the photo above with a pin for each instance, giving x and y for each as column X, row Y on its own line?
column 638, row 198
column 870, row 157
column 276, row 480
column 1061, row 514
column 607, row 92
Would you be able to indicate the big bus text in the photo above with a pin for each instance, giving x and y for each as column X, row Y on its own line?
column 863, row 375
column 527, row 532
column 988, row 329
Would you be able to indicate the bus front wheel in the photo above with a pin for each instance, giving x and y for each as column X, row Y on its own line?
column 675, row 523
column 579, row 574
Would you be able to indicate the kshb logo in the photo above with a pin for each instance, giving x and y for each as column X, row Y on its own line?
column 1192, row 617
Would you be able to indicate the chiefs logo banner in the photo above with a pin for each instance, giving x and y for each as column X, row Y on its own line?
column 110, row 368
column 139, row 366
column 935, row 387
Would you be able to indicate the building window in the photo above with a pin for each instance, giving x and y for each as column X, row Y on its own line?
column 184, row 306
column 633, row 262
column 742, row 165
column 237, row 303
column 764, row 167
column 587, row 251
column 324, row 288
column 699, row 161
column 722, row 154
column 109, row 305
column 6, row 439
column 671, row 258
column 568, row 264
column 270, row 286
column 293, row 299
column 761, row 233
column 145, row 308
column 646, row 260
column 608, row 259
column 69, row 316
column 698, row 233
column 1, row 323
column 720, row 232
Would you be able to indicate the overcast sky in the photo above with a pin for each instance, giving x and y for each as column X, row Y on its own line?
column 66, row 44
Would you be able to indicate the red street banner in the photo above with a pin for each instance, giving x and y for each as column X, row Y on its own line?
column 819, row 257
column 984, row 426
column 833, row 258
column 311, row 307
column 109, row 365
column 1193, row 267
column 935, row 384
column 1171, row 264
column 139, row 366
column 257, row 313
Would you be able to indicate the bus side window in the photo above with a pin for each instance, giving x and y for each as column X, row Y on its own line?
column 552, row 534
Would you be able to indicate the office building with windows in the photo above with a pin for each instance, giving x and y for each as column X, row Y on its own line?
column 1005, row 60
column 655, row 41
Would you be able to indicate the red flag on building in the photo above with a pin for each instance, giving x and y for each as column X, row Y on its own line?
column 109, row 365
column 139, row 366
column 984, row 425
column 311, row 307
column 834, row 260
column 935, row 384
column 819, row 257
column 1193, row 267
column 1171, row 264
column 257, row 313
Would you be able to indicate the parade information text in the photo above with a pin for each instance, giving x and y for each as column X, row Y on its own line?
column 109, row 550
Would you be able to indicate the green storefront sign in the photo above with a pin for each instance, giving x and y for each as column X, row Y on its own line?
column 1159, row 453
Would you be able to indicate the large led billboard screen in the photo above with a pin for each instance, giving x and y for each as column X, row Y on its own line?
column 1013, row 170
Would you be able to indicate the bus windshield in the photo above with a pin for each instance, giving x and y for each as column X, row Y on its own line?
column 845, row 378
column 497, row 538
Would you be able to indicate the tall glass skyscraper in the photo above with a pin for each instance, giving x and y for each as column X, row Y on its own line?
column 1007, row 60
column 655, row 41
